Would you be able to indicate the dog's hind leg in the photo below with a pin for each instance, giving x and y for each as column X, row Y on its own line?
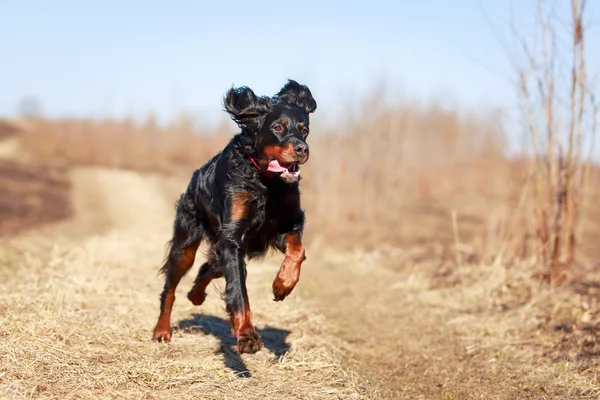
column 210, row 270
column 186, row 239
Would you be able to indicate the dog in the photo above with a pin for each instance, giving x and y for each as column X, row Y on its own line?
column 243, row 202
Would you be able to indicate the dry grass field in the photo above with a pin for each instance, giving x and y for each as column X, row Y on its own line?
column 419, row 281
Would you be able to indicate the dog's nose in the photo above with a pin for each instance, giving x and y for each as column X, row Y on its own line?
column 301, row 149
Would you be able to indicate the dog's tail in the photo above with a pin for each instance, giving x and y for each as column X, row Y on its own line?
column 165, row 261
column 168, row 246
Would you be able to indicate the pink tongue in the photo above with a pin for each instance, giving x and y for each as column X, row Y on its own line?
column 274, row 166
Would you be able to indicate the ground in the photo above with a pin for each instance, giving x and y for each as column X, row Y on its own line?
column 80, row 298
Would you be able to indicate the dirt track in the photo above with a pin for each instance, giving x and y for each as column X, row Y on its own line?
column 82, row 298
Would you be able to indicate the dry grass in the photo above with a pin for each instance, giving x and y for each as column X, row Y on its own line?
column 143, row 147
column 470, row 332
column 374, row 170
column 82, row 332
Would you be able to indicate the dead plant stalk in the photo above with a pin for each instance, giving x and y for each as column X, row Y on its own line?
column 559, row 171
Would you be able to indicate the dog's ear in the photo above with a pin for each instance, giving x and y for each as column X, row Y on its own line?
column 297, row 94
column 245, row 108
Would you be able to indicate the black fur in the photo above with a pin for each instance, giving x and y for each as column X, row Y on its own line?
column 274, row 127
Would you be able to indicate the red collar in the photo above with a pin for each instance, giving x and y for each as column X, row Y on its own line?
column 255, row 164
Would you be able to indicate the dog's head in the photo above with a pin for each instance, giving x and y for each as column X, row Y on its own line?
column 274, row 129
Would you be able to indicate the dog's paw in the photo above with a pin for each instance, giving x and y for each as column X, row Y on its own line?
column 249, row 342
column 196, row 298
column 280, row 291
column 162, row 334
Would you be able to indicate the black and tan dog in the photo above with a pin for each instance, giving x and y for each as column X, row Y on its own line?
column 244, row 201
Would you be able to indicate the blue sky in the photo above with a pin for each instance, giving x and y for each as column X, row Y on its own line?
column 116, row 57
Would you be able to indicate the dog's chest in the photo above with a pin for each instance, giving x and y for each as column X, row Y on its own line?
column 260, row 233
column 265, row 221
column 270, row 218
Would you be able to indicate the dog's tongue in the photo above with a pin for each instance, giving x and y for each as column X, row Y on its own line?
column 284, row 173
column 274, row 166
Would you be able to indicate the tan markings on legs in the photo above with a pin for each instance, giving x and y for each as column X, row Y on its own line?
column 289, row 273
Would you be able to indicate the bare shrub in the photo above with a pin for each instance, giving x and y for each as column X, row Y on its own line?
column 561, row 113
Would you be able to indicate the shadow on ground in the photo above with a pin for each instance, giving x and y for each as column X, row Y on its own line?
column 273, row 338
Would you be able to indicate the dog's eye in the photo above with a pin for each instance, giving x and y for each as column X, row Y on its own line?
column 277, row 128
column 305, row 131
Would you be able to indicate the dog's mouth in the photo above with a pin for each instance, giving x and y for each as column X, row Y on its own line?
column 286, row 171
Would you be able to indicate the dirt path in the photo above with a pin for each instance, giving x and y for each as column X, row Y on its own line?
column 9, row 148
column 80, row 300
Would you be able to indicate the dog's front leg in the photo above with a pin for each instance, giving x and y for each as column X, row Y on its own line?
column 234, row 268
column 289, row 273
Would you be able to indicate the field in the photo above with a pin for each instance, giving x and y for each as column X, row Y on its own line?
column 419, row 281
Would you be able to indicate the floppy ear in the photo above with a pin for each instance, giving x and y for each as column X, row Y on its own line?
column 297, row 94
column 245, row 108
